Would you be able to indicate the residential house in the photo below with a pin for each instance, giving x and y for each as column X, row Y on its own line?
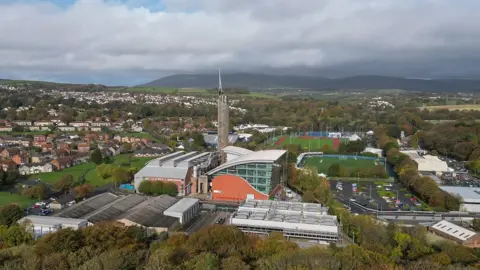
column 51, row 137
column 61, row 163
column 20, row 158
column 101, row 124
column 63, row 145
column 106, row 152
column 35, row 168
column 34, row 128
column 60, row 123
column 117, row 138
column 23, row 123
column 8, row 165
column 80, row 124
column 136, row 128
column 47, row 147
column 104, row 137
column 40, row 138
column 96, row 129
column 41, row 157
column 6, row 129
column 147, row 152
column 80, row 158
column 43, row 123
column 60, row 153
column 10, row 152
column 62, row 201
column 25, row 142
column 66, row 128
column 84, row 147
column 89, row 138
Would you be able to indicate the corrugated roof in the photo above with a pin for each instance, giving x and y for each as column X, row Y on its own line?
column 453, row 230
column 50, row 220
column 468, row 194
column 182, row 205
column 150, row 212
column 88, row 206
column 265, row 156
column 237, row 150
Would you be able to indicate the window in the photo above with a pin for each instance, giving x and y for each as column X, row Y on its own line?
column 261, row 166
column 261, row 181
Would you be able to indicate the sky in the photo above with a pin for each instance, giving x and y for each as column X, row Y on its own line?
column 129, row 42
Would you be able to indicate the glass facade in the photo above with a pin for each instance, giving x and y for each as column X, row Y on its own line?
column 262, row 176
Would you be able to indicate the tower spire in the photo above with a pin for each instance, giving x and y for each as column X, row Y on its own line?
column 220, row 90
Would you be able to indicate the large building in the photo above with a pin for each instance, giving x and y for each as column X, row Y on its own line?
column 185, row 210
column 427, row 163
column 40, row 225
column 456, row 233
column 470, row 197
column 253, row 175
column 294, row 220
column 180, row 168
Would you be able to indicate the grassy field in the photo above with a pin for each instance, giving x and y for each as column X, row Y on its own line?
column 463, row 107
column 307, row 143
column 89, row 168
column 139, row 135
column 7, row 198
column 323, row 163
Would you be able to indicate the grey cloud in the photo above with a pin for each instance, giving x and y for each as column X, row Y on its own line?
column 95, row 37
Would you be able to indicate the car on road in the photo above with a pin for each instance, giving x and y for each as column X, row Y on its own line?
column 352, row 200
column 220, row 221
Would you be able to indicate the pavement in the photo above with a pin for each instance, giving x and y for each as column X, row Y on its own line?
column 206, row 218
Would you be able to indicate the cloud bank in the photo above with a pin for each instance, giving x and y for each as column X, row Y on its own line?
column 128, row 42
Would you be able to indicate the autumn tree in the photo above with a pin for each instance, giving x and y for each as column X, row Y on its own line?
column 10, row 214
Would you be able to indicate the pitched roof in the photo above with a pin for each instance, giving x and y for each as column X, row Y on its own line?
column 453, row 230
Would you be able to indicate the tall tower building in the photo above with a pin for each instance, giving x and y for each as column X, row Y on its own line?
column 223, row 118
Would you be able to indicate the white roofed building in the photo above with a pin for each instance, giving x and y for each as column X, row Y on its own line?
column 470, row 197
column 234, row 152
column 294, row 220
column 185, row 210
column 40, row 225
column 427, row 163
column 456, row 233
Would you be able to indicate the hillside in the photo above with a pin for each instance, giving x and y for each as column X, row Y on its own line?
column 261, row 81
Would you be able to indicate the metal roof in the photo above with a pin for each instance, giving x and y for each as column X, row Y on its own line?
column 88, row 206
column 116, row 208
column 285, row 216
column 51, row 221
column 453, row 230
column 150, row 212
column 468, row 194
column 236, row 150
column 181, row 206
column 265, row 156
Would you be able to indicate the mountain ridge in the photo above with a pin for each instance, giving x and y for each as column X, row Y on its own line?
column 358, row 82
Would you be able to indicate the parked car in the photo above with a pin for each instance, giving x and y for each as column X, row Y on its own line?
column 220, row 221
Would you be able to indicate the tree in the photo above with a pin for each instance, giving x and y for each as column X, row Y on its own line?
column 104, row 170
column 10, row 214
column 476, row 224
column 64, row 184
column 120, row 176
column 334, row 170
column 96, row 156
column 127, row 147
column 308, row 196
column 41, row 191
column 82, row 191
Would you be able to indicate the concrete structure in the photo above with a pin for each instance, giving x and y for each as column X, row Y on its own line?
column 40, row 225
column 223, row 119
column 427, row 163
column 260, row 171
column 470, row 196
column 456, row 233
column 179, row 168
column 185, row 210
column 295, row 220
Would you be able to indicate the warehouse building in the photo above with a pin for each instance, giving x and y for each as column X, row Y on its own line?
column 470, row 197
column 185, row 210
column 40, row 225
column 294, row 220
column 427, row 163
column 456, row 233
column 180, row 168
column 131, row 210
column 252, row 175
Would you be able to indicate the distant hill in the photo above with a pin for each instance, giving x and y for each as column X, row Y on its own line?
column 261, row 81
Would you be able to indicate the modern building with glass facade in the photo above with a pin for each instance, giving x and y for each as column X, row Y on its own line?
column 261, row 172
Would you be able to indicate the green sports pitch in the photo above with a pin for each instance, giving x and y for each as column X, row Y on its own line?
column 308, row 143
column 323, row 163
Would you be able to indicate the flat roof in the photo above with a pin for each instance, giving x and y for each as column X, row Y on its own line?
column 51, row 220
column 453, row 230
column 285, row 216
column 426, row 162
column 182, row 205
column 236, row 150
column 468, row 194
column 150, row 212
column 265, row 156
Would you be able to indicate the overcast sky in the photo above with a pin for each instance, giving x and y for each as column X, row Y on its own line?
column 134, row 41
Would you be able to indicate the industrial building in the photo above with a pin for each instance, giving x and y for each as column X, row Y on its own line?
column 185, row 210
column 456, row 233
column 183, row 169
column 470, row 197
column 294, row 220
column 131, row 210
column 427, row 163
column 40, row 225
column 252, row 175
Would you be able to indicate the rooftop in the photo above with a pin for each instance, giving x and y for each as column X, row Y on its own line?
column 265, row 156
column 150, row 212
column 88, row 206
column 426, row 162
column 236, row 150
column 468, row 194
column 52, row 221
column 113, row 210
column 453, row 230
column 182, row 205
column 285, row 216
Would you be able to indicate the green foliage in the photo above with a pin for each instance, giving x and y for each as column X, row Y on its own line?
column 158, row 188
column 65, row 183
column 96, row 156
column 10, row 214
